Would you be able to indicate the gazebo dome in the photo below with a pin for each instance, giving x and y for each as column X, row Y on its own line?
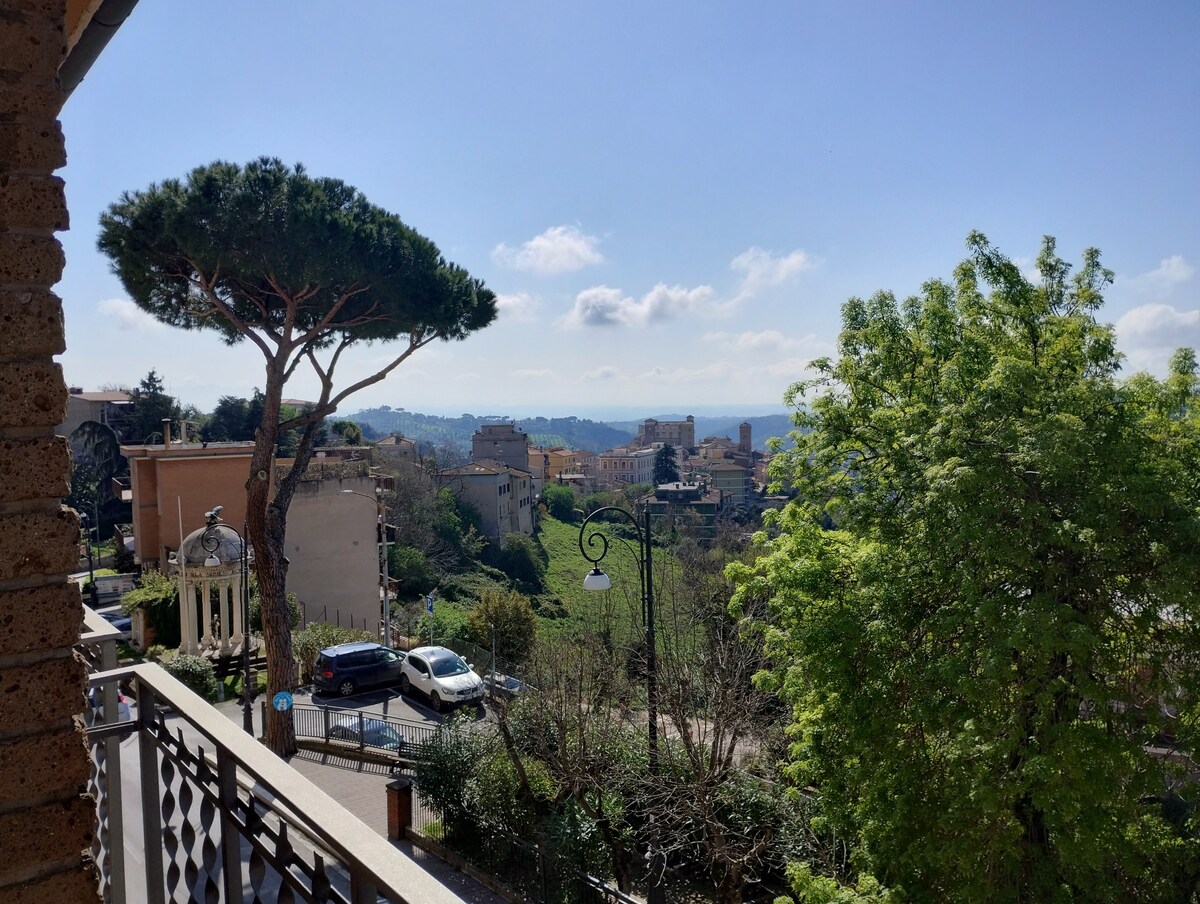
column 228, row 546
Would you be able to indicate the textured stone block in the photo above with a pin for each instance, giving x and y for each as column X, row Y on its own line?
column 78, row 886
column 33, row 544
column 32, row 394
column 30, row 260
column 31, row 324
column 41, row 695
column 32, row 202
column 31, row 98
column 40, row 618
column 31, row 148
column 38, row 47
column 47, row 834
column 43, row 764
column 34, row 468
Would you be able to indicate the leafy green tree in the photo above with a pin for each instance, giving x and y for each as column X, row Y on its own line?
column 229, row 421
column 560, row 501
column 348, row 431
column 304, row 269
column 157, row 595
column 511, row 617
column 151, row 405
column 666, row 465
column 1005, row 618
column 521, row 559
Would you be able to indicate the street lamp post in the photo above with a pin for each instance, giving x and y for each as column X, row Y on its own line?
column 596, row 579
column 87, row 543
column 210, row 540
column 385, row 623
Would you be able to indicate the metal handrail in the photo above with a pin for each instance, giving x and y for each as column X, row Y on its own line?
column 374, row 868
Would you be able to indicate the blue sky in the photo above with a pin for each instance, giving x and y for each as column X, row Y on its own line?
column 672, row 199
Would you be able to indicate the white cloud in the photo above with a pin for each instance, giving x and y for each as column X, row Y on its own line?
column 718, row 370
column 763, row 268
column 560, row 249
column 516, row 306
column 128, row 316
column 1161, row 281
column 792, row 368
column 1148, row 334
column 602, row 373
column 605, row 306
column 531, row 374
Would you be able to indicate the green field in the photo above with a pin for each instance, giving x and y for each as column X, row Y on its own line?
column 619, row 608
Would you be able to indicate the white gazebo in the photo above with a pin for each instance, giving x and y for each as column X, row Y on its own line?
column 211, row 572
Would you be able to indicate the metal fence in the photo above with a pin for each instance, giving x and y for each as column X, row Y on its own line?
column 364, row 732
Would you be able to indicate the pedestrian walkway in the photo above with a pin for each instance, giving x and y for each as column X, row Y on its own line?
column 361, row 789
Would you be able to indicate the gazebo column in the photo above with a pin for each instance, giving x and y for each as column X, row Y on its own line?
column 239, row 629
column 227, row 617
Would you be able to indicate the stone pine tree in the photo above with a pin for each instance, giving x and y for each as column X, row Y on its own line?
column 304, row 269
column 666, row 465
column 984, row 604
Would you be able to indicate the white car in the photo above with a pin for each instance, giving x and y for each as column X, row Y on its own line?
column 441, row 675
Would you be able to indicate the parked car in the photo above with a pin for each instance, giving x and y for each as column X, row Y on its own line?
column 120, row 621
column 441, row 675
column 350, row 667
column 504, row 686
column 96, row 699
column 374, row 733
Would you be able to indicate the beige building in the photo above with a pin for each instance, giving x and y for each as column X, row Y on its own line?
column 625, row 466
column 680, row 434
column 333, row 545
column 503, row 443
column 111, row 408
column 397, row 449
column 503, row 496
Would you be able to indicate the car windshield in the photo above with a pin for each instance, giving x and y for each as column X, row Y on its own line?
column 449, row 667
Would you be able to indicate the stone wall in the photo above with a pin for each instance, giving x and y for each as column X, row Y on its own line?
column 46, row 819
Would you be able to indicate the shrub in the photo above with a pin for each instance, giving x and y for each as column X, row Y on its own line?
column 521, row 559
column 560, row 501
column 410, row 569
column 157, row 595
column 194, row 671
column 513, row 618
column 293, row 604
column 316, row 637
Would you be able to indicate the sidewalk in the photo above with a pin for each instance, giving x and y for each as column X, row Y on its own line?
column 360, row 788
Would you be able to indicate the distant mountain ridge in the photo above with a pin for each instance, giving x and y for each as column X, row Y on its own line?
column 576, row 433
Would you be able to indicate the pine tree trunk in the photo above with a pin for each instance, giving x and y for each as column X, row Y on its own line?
column 266, row 526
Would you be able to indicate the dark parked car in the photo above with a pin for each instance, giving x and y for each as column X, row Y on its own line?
column 350, row 667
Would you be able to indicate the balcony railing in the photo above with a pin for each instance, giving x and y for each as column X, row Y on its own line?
column 221, row 818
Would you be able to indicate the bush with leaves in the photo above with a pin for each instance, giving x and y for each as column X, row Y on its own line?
column 316, row 637
column 560, row 501
column 293, row 603
column 409, row 568
column 157, row 595
column 522, row 560
column 194, row 671
column 514, row 621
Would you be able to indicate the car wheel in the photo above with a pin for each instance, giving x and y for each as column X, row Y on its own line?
column 405, row 684
column 435, row 701
column 346, row 688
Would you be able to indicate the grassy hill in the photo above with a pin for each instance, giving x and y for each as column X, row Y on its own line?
column 618, row 608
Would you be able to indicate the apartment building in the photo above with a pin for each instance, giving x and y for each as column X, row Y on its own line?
column 624, row 465
column 502, row 495
column 503, row 443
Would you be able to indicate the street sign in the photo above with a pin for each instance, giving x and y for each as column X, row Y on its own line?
column 429, row 604
column 282, row 701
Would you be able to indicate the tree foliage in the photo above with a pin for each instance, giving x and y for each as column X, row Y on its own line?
column 982, row 653
column 507, row 617
column 304, row 269
column 560, row 501
column 666, row 465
